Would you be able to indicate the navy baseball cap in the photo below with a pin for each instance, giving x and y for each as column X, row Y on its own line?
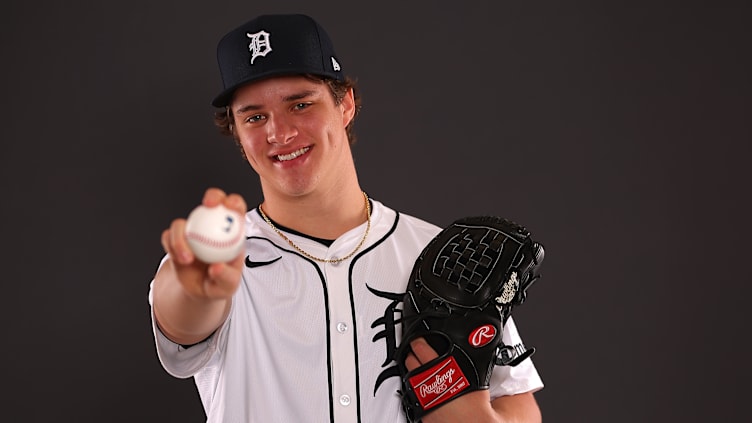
column 271, row 45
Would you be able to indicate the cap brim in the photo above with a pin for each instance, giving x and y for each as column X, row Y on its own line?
column 225, row 97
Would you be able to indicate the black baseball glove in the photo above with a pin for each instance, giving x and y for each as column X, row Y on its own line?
column 461, row 292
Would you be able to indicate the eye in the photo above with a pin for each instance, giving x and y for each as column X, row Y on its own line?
column 301, row 106
column 253, row 118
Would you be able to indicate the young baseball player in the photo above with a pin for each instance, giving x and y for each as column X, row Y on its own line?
column 303, row 325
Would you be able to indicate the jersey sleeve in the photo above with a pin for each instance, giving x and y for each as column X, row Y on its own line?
column 181, row 361
column 508, row 380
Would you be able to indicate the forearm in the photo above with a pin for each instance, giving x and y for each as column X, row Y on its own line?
column 182, row 317
column 477, row 407
column 521, row 408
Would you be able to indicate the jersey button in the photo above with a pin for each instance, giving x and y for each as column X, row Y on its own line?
column 344, row 400
column 341, row 327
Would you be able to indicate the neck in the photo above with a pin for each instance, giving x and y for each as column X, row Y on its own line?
column 326, row 215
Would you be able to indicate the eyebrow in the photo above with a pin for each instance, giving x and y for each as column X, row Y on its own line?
column 292, row 97
column 299, row 96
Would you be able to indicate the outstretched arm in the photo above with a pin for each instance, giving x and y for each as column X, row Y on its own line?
column 191, row 299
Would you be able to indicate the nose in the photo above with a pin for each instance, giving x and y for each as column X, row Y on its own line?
column 280, row 130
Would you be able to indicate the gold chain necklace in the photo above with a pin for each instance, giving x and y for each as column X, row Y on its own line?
column 312, row 257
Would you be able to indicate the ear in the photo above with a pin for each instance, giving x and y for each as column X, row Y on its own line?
column 348, row 107
column 230, row 120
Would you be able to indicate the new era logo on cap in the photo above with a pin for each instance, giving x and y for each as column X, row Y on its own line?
column 272, row 45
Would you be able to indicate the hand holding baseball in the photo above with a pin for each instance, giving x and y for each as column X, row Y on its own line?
column 206, row 249
column 215, row 234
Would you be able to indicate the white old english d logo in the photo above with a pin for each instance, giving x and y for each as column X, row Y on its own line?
column 260, row 44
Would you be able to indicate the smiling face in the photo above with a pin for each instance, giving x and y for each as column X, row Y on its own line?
column 293, row 135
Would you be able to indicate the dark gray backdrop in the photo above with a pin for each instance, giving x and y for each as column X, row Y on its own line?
column 617, row 133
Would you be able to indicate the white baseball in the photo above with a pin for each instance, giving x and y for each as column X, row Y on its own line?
column 215, row 234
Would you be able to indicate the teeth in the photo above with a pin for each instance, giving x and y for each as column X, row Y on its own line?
column 294, row 154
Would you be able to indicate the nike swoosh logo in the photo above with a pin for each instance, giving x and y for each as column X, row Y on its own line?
column 251, row 264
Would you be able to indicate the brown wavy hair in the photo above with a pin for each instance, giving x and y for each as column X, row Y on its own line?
column 223, row 118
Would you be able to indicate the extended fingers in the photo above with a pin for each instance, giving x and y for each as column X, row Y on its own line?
column 422, row 350
column 175, row 244
column 216, row 196
column 411, row 362
column 421, row 353
column 222, row 280
column 213, row 196
column 237, row 203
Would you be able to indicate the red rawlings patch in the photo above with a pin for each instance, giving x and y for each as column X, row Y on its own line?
column 482, row 335
column 439, row 384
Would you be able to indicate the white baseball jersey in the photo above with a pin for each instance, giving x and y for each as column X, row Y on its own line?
column 307, row 341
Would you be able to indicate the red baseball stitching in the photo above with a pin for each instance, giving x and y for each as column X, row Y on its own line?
column 214, row 243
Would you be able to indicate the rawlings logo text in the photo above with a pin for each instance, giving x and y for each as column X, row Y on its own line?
column 439, row 384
